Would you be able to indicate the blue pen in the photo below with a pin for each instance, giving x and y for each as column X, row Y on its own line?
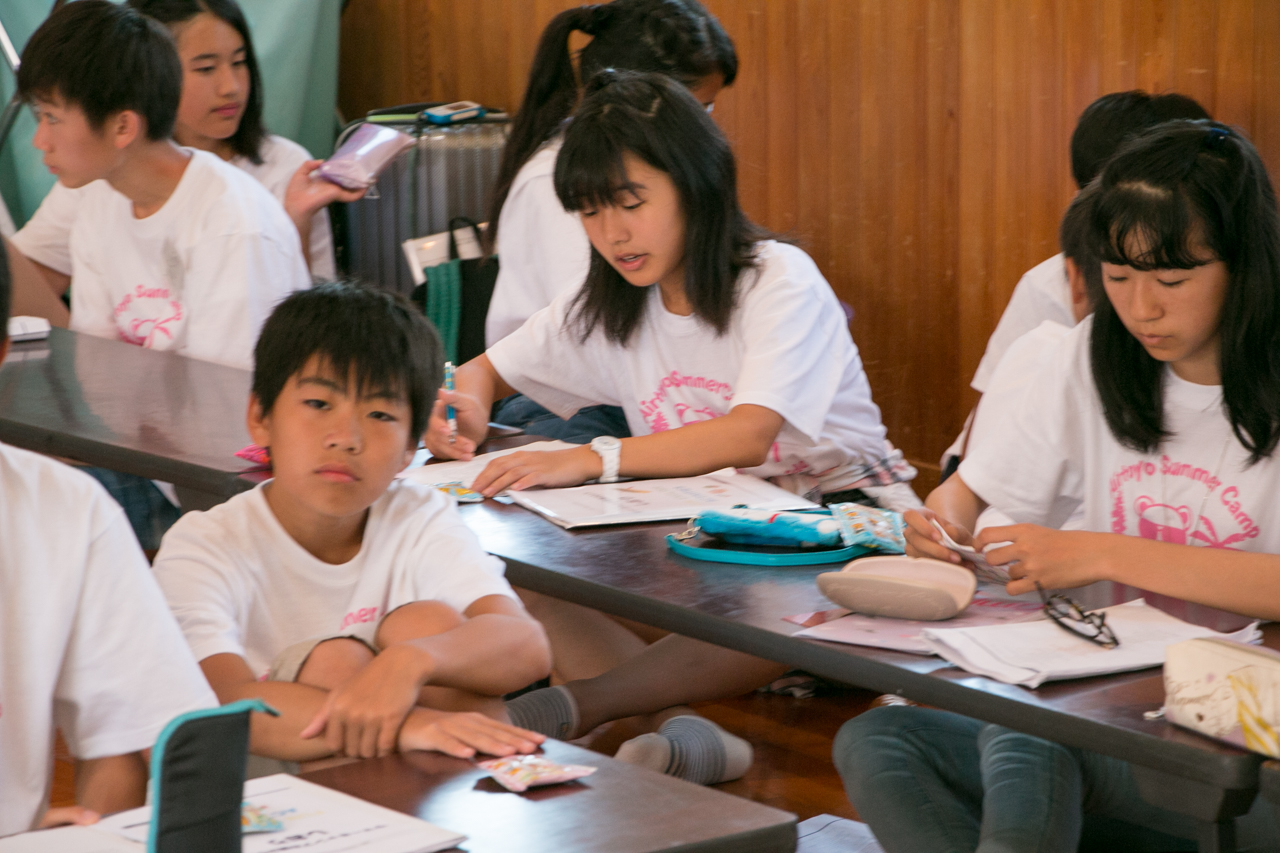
column 449, row 413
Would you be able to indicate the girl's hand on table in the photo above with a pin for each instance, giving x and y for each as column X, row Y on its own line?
column 923, row 539
column 68, row 816
column 473, row 426
column 463, row 734
column 1054, row 559
column 526, row 468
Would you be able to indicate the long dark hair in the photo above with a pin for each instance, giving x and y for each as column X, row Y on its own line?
column 248, row 138
column 1170, row 195
column 678, row 38
column 656, row 119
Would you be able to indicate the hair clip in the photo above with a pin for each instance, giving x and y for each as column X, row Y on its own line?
column 1217, row 138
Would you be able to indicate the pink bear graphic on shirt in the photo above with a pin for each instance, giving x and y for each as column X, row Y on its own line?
column 1162, row 522
column 689, row 415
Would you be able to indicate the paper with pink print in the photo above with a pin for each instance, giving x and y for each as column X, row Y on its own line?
column 1178, row 502
column 150, row 317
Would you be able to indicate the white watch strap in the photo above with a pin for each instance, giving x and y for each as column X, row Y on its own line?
column 610, row 457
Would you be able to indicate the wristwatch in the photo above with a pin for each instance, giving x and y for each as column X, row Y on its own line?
column 609, row 449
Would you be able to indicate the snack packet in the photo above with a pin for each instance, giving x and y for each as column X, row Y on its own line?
column 521, row 772
column 356, row 164
column 870, row 528
column 255, row 454
column 255, row 818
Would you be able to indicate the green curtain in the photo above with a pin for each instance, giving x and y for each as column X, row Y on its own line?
column 297, row 46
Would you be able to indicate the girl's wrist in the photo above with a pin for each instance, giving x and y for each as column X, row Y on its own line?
column 592, row 466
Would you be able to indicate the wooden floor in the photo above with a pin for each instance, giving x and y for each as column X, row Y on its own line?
column 791, row 737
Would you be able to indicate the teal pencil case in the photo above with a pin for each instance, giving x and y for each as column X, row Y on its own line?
column 836, row 534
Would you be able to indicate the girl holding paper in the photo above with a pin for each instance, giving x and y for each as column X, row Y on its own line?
column 1158, row 418
column 724, row 349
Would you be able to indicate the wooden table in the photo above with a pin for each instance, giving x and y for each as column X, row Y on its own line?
column 618, row 809
column 629, row 571
column 139, row 411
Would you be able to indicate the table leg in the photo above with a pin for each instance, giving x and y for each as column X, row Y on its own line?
column 1218, row 836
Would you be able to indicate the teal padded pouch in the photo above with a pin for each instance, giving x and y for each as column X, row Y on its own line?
column 197, row 774
column 801, row 538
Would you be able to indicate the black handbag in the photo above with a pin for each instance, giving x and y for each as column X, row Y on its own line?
column 456, row 296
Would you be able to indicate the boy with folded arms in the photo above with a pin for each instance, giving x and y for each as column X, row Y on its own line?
column 86, row 641
column 172, row 248
column 357, row 604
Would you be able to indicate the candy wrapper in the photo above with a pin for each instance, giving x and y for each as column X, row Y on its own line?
column 356, row 164
column 870, row 528
column 254, row 818
column 460, row 493
column 255, row 454
column 522, row 772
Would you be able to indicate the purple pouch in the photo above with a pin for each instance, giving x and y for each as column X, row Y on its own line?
column 366, row 152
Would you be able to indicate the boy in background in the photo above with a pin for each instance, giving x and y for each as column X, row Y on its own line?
column 173, row 248
column 84, row 634
column 357, row 604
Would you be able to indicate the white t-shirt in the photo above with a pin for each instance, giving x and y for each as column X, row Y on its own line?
column 198, row 277
column 46, row 237
column 240, row 584
column 1055, row 453
column 280, row 159
column 87, row 643
column 787, row 348
column 543, row 250
column 1043, row 293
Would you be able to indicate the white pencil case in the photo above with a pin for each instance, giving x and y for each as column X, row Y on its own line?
column 1226, row 691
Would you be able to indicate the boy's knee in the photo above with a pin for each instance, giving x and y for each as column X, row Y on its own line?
column 872, row 739
column 417, row 619
column 334, row 661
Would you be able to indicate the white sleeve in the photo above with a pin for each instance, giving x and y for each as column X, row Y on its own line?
column 126, row 672
column 1028, row 307
column 547, row 363
column 1026, row 451
column 797, row 346
column 543, row 252
column 201, row 589
column 233, row 282
column 46, row 238
column 448, row 565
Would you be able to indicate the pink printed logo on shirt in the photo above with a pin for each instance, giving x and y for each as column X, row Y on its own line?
column 149, row 317
column 698, row 399
column 357, row 617
column 1176, row 522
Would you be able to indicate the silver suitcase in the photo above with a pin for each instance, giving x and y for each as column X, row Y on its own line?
column 449, row 172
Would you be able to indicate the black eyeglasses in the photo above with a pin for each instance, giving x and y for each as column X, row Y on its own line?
column 1070, row 616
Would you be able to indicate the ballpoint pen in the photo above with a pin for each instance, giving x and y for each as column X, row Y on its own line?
column 449, row 412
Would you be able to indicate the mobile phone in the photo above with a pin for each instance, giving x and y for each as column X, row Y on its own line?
column 453, row 113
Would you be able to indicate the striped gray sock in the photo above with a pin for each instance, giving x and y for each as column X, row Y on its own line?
column 551, row 711
column 704, row 753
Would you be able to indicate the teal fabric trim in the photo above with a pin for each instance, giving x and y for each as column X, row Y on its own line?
column 157, row 752
column 297, row 46
column 444, row 303
column 757, row 558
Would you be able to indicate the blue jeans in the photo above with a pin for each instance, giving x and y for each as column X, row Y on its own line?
column 590, row 422
column 931, row 780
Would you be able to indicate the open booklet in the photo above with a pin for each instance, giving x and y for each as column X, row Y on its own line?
column 312, row 818
column 627, row 502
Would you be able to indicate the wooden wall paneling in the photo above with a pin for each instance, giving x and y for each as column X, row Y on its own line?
column 1266, row 83
column 918, row 149
column 1232, row 72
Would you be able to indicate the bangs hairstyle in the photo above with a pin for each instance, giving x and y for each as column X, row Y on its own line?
column 381, row 338
column 247, row 140
column 655, row 119
column 1184, row 194
column 678, row 38
column 104, row 58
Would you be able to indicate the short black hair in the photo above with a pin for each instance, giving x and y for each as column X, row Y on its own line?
column 249, row 135
column 390, row 345
column 6, row 291
column 1113, row 119
column 104, row 58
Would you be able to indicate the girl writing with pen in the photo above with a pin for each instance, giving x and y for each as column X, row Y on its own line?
column 724, row 348
column 1156, row 421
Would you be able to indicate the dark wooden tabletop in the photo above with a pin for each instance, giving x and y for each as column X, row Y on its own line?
column 107, row 403
column 629, row 571
column 618, row 809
